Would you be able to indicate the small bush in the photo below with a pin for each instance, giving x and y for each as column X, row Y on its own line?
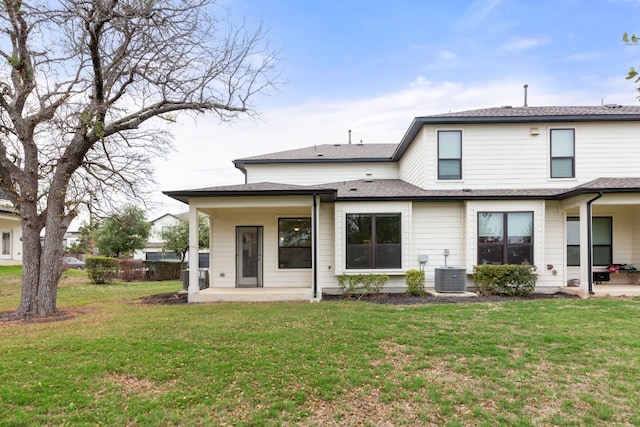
column 164, row 270
column 415, row 282
column 131, row 269
column 361, row 284
column 102, row 269
column 506, row 279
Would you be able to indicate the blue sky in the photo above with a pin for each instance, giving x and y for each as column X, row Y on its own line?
column 358, row 49
column 371, row 66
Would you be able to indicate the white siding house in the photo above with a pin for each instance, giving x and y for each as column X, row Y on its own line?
column 155, row 245
column 497, row 185
column 10, row 237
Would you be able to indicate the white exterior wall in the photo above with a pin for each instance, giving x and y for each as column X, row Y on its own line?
column 436, row 227
column 396, row 276
column 326, row 248
column 319, row 173
column 222, row 271
column 411, row 165
column 474, row 207
column 554, row 249
column 12, row 224
column 509, row 156
column 155, row 234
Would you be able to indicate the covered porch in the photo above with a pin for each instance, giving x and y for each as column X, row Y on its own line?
column 602, row 237
column 263, row 242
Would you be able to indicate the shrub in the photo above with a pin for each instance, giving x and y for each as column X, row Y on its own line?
column 101, row 269
column 506, row 279
column 415, row 282
column 131, row 269
column 361, row 284
column 164, row 270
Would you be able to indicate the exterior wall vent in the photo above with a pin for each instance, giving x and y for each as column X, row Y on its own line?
column 450, row 279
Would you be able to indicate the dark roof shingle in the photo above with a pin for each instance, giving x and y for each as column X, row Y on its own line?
column 327, row 153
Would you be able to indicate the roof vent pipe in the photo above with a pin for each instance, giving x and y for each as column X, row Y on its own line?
column 525, row 95
column 349, row 136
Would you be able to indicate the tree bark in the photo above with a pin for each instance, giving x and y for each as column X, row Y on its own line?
column 74, row 107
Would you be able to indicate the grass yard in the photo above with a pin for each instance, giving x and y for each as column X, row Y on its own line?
column 117, row 362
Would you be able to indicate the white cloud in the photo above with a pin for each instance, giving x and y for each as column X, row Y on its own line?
column 205, row 150
column 582, row 57
column 448, row 55
column 522, row 44
column 476, row 13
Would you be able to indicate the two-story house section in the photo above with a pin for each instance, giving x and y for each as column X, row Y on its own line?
column 554, row 187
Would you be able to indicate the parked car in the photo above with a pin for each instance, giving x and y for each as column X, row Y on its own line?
column 71, row 262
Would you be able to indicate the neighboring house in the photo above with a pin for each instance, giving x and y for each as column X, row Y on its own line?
column 10, row 236
column 155, row 251
column 71, row 237
column 497, row 185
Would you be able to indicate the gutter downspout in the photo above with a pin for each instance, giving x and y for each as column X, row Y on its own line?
column 315, row 247
column 589, row 242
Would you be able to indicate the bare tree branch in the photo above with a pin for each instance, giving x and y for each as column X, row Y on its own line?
column 81, row 82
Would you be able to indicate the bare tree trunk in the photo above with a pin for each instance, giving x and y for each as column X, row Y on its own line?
column 41, row 274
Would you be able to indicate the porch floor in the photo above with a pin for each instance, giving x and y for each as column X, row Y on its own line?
column 616, row 290
column 306, row 294
column 252, row 295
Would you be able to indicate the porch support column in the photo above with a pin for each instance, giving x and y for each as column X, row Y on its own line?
column 194, row 288
column 584, row 247
column 314, row 248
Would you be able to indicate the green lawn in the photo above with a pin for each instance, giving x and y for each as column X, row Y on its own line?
column 539, row 362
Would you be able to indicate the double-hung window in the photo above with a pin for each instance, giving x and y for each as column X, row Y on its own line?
column 505, row 238
column 294, row 242
column 601, row 239
column 563, row 161
column 373, row 241
column 449, row 154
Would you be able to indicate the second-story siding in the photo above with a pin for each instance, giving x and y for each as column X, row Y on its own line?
column 319, row 173
column 412, row 164
column 518, row 155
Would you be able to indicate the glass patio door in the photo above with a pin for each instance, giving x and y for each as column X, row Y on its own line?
column 249, row 256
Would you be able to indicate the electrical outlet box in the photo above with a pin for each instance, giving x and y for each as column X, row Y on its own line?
column 446, row 252
column 422, row 258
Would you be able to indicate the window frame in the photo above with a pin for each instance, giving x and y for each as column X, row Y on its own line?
column 593, row 245
column 505, row 244
column 282, row 248
column 573, row 219
column 572, row 157
column 375, row 247
column 450, row 159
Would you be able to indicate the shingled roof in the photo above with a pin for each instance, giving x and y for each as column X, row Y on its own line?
column 327, row 153
column 254, row 189
column 575, row 112
column 395, row 189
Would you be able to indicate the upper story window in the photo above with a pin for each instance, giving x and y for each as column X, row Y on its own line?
column 505, row 238
column 563, row 161
column 449, row 154
column 294, row 242
column 373, row 241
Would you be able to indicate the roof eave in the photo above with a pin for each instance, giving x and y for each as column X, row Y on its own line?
column 243, row 162
column 583, row 191
column 184, row 196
